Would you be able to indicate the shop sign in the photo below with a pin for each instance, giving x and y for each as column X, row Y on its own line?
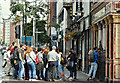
column 108, row 8
column 102, row 12
column 81, row 26
column 67, row 4
column 86, row 23
column 53, row 31
column 98, row 14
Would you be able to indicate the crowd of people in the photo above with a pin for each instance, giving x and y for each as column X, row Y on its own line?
column 32, row 63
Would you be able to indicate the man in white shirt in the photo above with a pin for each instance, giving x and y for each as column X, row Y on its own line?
column 52, row 58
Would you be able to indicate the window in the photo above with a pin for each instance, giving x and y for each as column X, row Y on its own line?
column 61, row 17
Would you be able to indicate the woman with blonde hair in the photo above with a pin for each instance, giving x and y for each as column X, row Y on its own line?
column 30, row 57
column 89, row 56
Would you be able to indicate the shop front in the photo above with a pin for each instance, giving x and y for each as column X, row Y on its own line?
column 105, row 35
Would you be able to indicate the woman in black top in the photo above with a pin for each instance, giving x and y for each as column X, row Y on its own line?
column 72, row 59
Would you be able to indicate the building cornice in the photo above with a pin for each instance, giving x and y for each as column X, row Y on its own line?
column 96, row 7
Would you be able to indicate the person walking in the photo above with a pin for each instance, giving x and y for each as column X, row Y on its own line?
column 30, row 57
column 8, row 60
column 52, row 58
column 94, row 64
column 5, row 58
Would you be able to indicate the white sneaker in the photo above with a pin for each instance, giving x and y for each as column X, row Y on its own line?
column 70, row 78
column 30, row 79
column 33, row 80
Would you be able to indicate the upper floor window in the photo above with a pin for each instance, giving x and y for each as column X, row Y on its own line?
column 61, row 17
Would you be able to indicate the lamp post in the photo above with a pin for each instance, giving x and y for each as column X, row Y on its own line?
column 34, row 25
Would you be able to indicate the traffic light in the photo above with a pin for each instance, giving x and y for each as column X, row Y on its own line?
column 17, row 32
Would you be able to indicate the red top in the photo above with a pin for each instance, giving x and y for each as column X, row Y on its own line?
column 12, row 50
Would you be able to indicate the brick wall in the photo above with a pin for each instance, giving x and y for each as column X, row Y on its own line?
column 12, row 33
column 52, row 12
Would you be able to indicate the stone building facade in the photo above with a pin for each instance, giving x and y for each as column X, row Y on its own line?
column 105, row 30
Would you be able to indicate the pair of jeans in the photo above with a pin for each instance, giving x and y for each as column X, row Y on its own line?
column 21, row 70
column 57, row 68
column 73, row 71
column 26, row 71
column 38, row 74
column 44, row 71
column 15, row 71
column 32, row 69
column 93, row 68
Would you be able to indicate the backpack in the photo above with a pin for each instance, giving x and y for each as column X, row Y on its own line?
column 92, row 57
column 63, row 60
column 15, row 54
column 37, row 58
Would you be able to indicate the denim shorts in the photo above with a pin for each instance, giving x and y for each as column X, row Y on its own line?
column 60, row 68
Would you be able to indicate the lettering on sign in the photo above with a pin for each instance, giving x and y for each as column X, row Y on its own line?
column 102, row 12
column 99, row 14
column 108, row 8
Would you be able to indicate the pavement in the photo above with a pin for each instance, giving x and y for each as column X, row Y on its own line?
column 81, row 77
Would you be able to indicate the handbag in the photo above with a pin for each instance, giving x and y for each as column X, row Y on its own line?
column 40, row 66
column 70, row 64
